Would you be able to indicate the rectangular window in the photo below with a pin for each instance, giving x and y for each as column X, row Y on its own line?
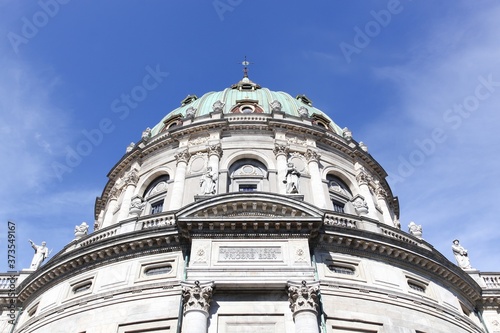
column 338, row 206
column 248, row 187
column 157, row 207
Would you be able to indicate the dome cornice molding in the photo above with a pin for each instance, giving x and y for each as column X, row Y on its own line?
column 68, row 263
column 400, row 253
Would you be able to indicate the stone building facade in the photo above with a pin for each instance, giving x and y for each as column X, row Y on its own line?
column 248, row 210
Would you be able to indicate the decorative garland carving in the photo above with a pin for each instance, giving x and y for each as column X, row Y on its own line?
column 198, row 141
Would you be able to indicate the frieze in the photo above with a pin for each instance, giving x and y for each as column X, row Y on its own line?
column 240, row 253
column 296, row 141
column 198, row 141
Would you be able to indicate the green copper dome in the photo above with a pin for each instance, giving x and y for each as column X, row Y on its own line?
column 246, row 97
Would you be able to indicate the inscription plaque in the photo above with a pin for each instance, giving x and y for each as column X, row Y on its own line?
column 240, row 253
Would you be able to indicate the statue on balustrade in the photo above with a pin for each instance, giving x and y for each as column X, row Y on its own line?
column 81, row 230
column 415, row 229
column 461, row 255
column 41, row 253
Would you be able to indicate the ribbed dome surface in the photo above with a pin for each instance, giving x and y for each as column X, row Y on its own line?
column 240, row 93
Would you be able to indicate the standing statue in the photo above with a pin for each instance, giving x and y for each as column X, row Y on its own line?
column 41, row 252
column 292, row 179
column 461, row 255
column 208, row 182
column 81, row 230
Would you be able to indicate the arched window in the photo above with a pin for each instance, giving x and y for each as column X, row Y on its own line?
column 247, row 175
column 155, row 194
column 340, row 193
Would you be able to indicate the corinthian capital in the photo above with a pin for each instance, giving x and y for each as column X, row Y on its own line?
column 131, row 177
column 303, row 296
column 363, row 177
column 312, row 155
column 215, row 150
column 196, row 296
column 182, row 156
column 379, row 191
column 280, row 149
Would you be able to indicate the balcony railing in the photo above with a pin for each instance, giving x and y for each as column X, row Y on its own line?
column 491, row 280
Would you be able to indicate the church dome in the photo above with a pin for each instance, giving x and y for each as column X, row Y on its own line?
column 264, row 198
column 246, row 97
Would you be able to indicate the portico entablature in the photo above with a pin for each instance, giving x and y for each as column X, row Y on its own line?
column 250, row 213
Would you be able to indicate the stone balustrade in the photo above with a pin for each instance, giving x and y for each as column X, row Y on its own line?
column 491, row 280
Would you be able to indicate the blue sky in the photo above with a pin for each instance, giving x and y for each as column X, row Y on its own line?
column 418, row 82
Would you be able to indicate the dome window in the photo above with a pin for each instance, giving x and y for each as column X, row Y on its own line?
column 247, row 109
column 157, row 207
column 341, row 269
column 247, row 187
column 340, row 193
column 247, row 175
column 189, row 99
column 171, row 122
column 155, row 194
column 158, row 270
column 82, row 288
column 321, row 121
column 416, row 285
column 247, row 106
column 304, row 99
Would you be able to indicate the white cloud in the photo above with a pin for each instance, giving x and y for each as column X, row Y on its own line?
column 453, row 190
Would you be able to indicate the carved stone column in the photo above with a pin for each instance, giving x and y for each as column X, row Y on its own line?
column 179, row 179
column 131, row 178
column 111, row 207
column 316, row 183
column 281, row 152
column 214, row 155
column 363, row 179
column 381, row 196
column 303, row 299
column 196, row 298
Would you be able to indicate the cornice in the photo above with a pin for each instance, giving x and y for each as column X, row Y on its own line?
column 400, row 252
column 112, row 249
